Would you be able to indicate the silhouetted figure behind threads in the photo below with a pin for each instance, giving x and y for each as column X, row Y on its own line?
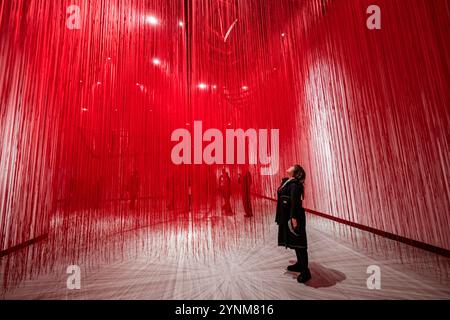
column 170, row 192
column 133, row 188
column 225, row 192
column 189, row 196
column 291, row 220
column 97, row 194
column 71, row 193
column 246, row 181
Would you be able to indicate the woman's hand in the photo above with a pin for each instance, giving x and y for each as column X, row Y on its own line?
column 294, row 223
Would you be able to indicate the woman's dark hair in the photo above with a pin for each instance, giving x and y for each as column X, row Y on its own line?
column 299, row 173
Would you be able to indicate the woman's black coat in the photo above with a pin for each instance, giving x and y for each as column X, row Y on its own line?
column 289, row 205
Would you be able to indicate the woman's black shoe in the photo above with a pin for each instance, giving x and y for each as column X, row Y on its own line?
column 294, row 268
column 304, row 276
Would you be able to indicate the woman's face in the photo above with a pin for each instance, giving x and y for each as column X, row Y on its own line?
column 290, row 171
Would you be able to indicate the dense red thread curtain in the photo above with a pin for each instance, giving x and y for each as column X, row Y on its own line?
column 87, row 116
column 375, row 108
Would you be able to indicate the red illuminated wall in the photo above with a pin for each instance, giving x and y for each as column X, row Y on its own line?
column 374, row 113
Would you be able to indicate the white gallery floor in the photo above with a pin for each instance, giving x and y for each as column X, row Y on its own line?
column 251, row 269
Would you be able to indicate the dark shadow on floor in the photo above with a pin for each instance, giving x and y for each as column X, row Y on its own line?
column 322, row 277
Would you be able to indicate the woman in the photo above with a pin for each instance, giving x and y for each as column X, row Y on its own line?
column 291, row 220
